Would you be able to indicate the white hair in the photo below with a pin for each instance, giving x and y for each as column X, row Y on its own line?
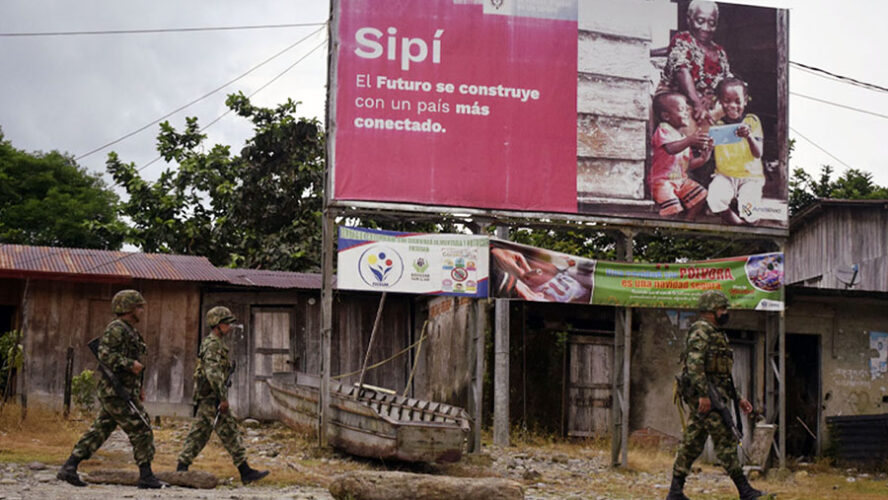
column 696, row 4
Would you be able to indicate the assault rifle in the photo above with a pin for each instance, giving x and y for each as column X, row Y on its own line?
column 718, row 404
column 227, row 385
column 115, row 384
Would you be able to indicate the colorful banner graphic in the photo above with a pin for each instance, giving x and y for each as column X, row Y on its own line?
column 456, row 102
column 535, row 274
column 389, row 261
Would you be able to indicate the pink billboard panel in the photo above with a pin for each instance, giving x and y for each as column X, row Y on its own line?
column 456, row 102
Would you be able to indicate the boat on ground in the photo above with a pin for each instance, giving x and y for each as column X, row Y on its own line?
column 373, row 422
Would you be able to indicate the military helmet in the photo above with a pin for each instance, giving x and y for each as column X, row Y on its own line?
column 711, row 300
column 125, row 301
column 219, row 314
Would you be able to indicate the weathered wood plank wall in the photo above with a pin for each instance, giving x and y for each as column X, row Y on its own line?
column 840, row 236
column 352, row 325
column 63, row 313
column 613, row 101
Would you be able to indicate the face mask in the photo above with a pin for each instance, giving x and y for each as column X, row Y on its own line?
column 723, row 319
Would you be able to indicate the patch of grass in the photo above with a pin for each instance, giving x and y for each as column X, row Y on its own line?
column 42, row 436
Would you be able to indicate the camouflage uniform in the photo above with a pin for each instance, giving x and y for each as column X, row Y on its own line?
column 120, row 346
column 212, row 369
column 708, row 355
column 708, row 358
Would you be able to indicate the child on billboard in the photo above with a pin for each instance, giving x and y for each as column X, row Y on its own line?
column 739, row 174
column 673, row 155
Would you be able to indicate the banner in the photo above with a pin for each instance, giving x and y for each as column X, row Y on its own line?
column 535, row 274
column 389, row 261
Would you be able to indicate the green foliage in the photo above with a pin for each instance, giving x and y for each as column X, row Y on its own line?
column 84, row 390
column 579, row 242
column 854, row 184
column 259, row 209
column 11, row 358
column 47, row 199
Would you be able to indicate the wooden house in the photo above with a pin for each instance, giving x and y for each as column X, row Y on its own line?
column 60, row 299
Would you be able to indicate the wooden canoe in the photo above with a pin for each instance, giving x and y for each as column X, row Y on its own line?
column 370, row 423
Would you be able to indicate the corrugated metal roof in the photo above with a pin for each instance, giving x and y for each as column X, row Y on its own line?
column 272, row 279
column 23, row 259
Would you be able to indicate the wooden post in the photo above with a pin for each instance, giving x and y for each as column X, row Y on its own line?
column 781, row 394
column 327, row 252
column 69, row 369
column 481, row 322
column 501, row 365
column 621, row 375
column 370, row 344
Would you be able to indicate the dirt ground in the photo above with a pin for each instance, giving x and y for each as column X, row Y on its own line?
column 32, row 450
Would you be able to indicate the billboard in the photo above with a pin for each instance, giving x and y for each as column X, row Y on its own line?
column 633, row 110
column 535, row 274
column 389, row 261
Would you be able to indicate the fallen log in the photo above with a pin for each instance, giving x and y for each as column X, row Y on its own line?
column 369, row 485
column 189, row 479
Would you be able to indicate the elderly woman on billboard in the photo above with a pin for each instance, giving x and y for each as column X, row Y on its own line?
column 695, row 64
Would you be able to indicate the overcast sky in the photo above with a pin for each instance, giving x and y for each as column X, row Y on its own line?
column 76, row 93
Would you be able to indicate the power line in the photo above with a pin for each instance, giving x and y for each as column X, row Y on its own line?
column 845, row 79
column 226, row 113
column 831, row 103
column 819, row 147
column 161, row 30
column 208, row 94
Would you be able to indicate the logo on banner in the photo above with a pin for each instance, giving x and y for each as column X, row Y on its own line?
column 380, row 266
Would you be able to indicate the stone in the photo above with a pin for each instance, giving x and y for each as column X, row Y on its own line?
column 37, row 466
column 7, row 480
column 372, row 485
column 250, row 423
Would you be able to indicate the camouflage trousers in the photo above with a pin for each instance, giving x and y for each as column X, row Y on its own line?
column 114, row 412
column 202, row 428
column 694, row 439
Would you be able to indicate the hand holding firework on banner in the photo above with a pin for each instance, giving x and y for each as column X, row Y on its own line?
column 528, row 273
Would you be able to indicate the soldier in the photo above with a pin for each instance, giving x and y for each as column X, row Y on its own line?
column 708, row 358
column 211, row 397
column 120, row 349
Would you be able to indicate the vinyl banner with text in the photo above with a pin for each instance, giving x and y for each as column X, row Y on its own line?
column 535, row 274
column 389, row 261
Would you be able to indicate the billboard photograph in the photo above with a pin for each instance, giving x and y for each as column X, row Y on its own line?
column 670, row 111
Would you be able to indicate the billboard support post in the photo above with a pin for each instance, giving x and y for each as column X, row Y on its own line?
column 327, row 254
column 622, row 361
column 480, row 325
column 501, row 365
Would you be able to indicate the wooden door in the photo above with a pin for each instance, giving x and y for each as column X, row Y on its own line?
column 589, row 391
column 272, row 352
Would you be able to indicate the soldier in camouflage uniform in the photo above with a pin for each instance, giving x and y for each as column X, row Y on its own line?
column 708, row 357
column 211, row 396
column 121, row 348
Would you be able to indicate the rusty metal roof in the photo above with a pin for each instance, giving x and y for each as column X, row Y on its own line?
column 27, row 260
column 272, row 279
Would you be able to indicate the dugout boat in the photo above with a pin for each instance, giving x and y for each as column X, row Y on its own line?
column 371, row 422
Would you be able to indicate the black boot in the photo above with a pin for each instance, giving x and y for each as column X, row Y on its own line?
column 147, row 479
column 181, row 467
column 68, row 472
column 248, row 475
column 747, row 492
column 676, row 489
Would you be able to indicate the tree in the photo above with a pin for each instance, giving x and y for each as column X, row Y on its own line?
column 259, row 209
column 47, row 199
column 854, row 184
